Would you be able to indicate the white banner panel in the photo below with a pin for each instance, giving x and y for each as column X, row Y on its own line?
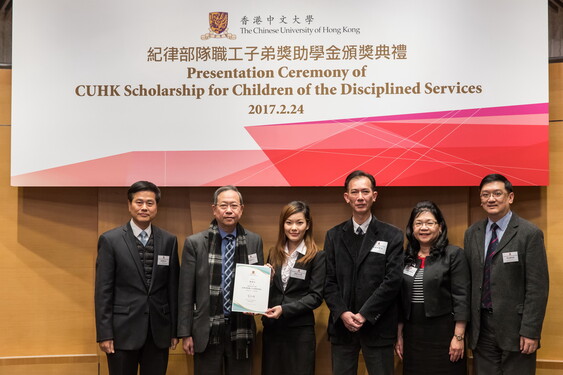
column 298, row 93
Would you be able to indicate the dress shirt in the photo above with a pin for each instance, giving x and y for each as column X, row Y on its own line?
column 364, row 225
column 137, row 231
column 502, row 225
column 290, row 262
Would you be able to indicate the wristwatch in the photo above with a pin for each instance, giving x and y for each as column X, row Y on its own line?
column 458, row 337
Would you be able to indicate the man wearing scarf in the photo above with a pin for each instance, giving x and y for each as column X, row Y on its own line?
column 219, row 339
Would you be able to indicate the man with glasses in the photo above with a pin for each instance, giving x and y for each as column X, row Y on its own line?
column 509, row 284
column 364, row 275
column 219, row 339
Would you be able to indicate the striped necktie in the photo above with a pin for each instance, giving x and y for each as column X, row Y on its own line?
column 486, row 300
column 229, row 269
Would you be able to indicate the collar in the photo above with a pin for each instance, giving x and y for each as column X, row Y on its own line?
column 502, row 223
column 363, row 225
column 137, row 230
column 224, row 234
column 301, row 248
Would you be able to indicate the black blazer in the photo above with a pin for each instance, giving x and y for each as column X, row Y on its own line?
column 446, row 286
column 519, row 288
column 368, row 285
column 123, row 303
column 300, row 297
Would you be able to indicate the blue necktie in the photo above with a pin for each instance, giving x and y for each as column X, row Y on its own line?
column 486, row 300
column 144, row 237
column 229, row 263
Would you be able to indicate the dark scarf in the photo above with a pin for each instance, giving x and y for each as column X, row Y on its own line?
column 241, row 325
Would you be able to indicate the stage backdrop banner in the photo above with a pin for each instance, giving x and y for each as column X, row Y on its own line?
column 294, row 93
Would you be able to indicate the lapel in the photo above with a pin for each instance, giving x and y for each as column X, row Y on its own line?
column 277, row 279
column 291, row 282
column 511, row 230
column 368, row 242
column 480, row 239
column 157, row 242
column 129, row 239
column 348, row 237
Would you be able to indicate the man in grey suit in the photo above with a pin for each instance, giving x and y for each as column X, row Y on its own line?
column 136, row 295
column 219, row 339
column 363, row 277
column 509, row 284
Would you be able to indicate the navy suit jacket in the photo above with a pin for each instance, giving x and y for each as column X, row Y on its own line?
column 123, row 302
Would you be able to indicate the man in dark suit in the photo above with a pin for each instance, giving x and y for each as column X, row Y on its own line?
column 509, row 284
column 219, row 339
column 364, row 273
column 137, row 289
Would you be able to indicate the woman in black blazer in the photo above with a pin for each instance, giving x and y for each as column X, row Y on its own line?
column 434, row 297
column 296, row 290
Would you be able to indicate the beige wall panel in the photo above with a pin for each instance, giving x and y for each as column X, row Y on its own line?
column 5, row 96
column 556, row 92
column 74, row 365
column 553, row 327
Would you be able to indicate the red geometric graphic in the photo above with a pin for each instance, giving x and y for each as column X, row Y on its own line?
column 449, row 148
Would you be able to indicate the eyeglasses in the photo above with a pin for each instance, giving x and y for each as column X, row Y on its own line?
column 225, row 206
column 486, row 195
column 429, row 224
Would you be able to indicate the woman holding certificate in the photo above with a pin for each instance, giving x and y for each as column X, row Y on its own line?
column 295, row 291
column 434, row 297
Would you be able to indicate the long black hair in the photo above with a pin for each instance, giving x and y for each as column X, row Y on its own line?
column 438, row 248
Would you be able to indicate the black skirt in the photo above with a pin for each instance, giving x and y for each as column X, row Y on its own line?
column 426, row 344
column 288, row 350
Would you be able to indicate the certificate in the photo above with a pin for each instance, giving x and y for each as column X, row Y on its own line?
column 251, row 289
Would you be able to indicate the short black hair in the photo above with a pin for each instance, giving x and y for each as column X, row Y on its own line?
column 226, row 188
column 357, row 174
column 494, row 177
column 143, row 186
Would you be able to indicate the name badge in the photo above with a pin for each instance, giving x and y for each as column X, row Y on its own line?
column 163, row 260
column 510, row 257
column 409, row 271
column 252, row 258
column 380, row 247
column 298, row 273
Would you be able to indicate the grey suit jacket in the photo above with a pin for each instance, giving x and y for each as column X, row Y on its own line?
column 123, row 303
column 193, row 294
column 519, row 288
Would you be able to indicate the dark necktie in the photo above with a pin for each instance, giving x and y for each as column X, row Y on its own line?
column 359, row 231
column 486, row 300
column 229, row 260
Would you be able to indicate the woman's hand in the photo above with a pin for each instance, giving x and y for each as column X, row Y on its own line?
column 456, row 349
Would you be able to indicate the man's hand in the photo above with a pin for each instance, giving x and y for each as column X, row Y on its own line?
column 528, row 346
column 274, row 312
column 173, row 343
column 351, row 322
column 188, row 345
column 107, row 346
